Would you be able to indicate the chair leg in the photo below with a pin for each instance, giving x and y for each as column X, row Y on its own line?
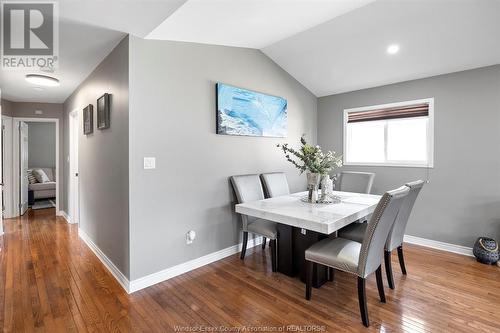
column 388, row 268
column 331, row 274
column 309, row 275
column 244, row 245
column 363, row 309
column 401, row 259
column 263, row 243
column 274, row 257
column 380, row 284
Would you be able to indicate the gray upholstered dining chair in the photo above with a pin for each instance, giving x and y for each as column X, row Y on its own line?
column 359, row 182
column 357, row 231
column 275, row 184
column 361, row 259
column 249, row 188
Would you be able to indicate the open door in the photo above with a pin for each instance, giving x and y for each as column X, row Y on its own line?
column 23, row 167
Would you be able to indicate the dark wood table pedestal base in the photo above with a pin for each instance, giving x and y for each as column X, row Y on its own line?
column 292, row 244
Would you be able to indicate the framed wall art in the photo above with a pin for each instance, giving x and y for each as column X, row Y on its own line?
column 103, row 109
column 88, row 119
column 250, row 113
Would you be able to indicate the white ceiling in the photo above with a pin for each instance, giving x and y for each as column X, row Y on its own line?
column 88, row 31
column 248, row 23
column 435, row 37
column 137, row 17
column 79, row 54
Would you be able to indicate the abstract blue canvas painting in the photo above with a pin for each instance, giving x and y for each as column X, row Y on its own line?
column 245, row 112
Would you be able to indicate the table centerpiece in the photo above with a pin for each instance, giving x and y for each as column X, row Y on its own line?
column 317, row 164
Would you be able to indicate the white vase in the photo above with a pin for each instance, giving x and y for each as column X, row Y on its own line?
column 326, row 187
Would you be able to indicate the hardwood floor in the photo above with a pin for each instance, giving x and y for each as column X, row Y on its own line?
column 51, row 282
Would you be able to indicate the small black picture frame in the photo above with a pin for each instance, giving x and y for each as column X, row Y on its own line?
column 103, row 116
column 88, row 119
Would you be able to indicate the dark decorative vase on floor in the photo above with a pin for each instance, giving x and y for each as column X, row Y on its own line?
column 486, row 250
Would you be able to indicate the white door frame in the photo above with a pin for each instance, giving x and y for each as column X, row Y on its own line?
column 73, row 134
column 8, row 189
column 15, row 173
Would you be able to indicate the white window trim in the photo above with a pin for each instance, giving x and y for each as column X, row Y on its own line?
column 430, row 142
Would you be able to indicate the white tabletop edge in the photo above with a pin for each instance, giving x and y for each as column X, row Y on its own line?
column 250, row 209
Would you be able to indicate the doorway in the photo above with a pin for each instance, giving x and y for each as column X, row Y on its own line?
column 36, row 180
column 73, row 198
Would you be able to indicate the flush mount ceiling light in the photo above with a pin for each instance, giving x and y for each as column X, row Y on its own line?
column 393, row 49
column 38, row 88
column 42, row 80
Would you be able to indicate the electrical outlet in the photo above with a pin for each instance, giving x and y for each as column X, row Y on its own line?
column 149, row 163
column 190, row 236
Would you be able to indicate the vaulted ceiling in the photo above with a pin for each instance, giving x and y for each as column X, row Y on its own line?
column 248, row 23
column 434, row 37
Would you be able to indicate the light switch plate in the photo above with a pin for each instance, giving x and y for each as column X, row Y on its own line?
column 149, row 163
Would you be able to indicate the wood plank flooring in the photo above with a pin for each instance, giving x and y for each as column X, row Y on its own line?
column 51, row 282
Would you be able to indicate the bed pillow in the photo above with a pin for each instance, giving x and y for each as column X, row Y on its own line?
column 31, row 177
column 40, row 175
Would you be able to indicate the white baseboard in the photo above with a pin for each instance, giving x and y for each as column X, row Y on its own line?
column 464, row 250
column 118, row 275
column 64, row 215
column 185, row 267
column 149, row 280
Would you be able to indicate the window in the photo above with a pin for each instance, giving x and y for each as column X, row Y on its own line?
column 397, row 134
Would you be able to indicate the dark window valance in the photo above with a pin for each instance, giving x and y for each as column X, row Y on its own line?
column 408, row 111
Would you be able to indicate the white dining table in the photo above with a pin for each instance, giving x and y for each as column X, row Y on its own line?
column 322, row 218
column 301, row 224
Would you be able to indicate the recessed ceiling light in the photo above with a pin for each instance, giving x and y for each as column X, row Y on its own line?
column 42, row 80
column 393, row 49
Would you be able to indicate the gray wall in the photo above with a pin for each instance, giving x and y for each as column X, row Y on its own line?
column 7, row 108
column 172, row 117
column 27, row 110
column 41, row 145
column 462, row 200
column 103, row 158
